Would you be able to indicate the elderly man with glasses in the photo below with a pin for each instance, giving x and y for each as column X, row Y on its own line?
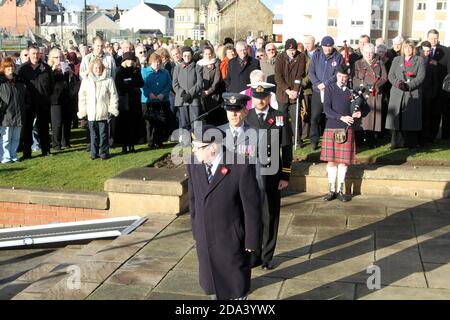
column 225, row 209
column 268, row 62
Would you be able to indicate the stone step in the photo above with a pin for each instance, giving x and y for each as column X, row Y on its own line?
column 381, row 180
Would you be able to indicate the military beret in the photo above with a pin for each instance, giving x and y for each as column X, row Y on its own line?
column 327, row 41
column 234, row 101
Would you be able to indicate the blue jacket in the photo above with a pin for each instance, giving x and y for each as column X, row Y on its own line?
column 323, row 69
column 156, row 83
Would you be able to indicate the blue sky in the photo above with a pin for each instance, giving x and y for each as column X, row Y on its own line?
column 130, row 3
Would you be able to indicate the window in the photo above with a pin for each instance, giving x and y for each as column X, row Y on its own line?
column 440, row 25
column 332, row 22
column 357, row 23
column 393, row 25
column 421, row 6
column 378, row 3
column 394, row 5
column 441, row 5
column 377, row 24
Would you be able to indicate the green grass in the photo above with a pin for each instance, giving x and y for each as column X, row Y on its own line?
column 437, row 154
column 73, row 170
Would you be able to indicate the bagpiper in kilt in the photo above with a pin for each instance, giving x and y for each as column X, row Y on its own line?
column 338, row 145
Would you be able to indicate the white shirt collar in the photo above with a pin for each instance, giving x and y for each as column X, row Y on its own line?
column 215, row 163
column 265, row 111
column 240, row 130
column 343, row 88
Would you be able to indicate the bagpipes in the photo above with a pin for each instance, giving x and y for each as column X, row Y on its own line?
column 348, row 64
column 358, row 101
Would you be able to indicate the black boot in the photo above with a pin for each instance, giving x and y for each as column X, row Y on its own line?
column 341, row 196
column 331, row 195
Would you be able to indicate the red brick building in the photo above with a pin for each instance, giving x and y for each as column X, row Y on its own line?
column 18, row 15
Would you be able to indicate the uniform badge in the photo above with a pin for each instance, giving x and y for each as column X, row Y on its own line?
column 233, row 100
column 260, row 89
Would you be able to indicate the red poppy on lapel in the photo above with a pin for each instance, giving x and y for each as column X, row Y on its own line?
column 270, row 121
column 410, row 74
column 224, row 171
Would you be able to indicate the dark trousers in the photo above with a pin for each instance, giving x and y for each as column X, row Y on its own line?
column 42, row 114
column 404, row 139
column 440, row 109
column 270, row 220
column 187, row 115
column 290, row 111
column 157, row 131
column 365, row 138
column 99, row 138
column 317, row 119
column 306, row 126
column 61, row 124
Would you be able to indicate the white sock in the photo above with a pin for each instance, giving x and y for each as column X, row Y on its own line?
column 342, row 171
column 332, row 173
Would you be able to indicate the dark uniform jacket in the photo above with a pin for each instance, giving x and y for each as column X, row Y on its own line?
column 226, row 220
column 272, row 122
column 238, row 76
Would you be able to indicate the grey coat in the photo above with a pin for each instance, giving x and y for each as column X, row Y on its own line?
column 406, row 105
column 188, row 79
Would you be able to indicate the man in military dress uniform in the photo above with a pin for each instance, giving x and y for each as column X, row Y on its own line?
column 275, row 158
column 225, row 210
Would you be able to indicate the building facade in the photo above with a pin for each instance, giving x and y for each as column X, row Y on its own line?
column 348, row 19
column 214, row 20
column 146, row 16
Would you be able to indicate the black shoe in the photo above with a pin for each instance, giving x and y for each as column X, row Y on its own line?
column 342, row 197
column 267, row 266
column 131, row 149
column 57, row 148
column 104, row 157
column 124, row 150
column 47, row 154
column 25, row 157
column 330, row 196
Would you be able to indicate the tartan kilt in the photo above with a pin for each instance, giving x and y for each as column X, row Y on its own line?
column 338, row 152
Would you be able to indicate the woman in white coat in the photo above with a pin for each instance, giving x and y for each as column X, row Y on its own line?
column 97, row 99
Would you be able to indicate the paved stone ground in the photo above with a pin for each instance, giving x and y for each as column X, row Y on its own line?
column 323, row 252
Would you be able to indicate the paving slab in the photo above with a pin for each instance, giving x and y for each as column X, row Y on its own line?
column 174, row 296
column 293, row 246
column 301, row 231
column 189, row 262
column 325, row 221
column 180, row 282
column 284, row 223
column 9, row 291
column 297, row 208
column 435, row 251
column 263, row 288
column 343, row 250
column 437, row 275
column 136, row 277
column 349, row 209
column 295, row 289
column 401, row 293
column 402, row 269
column 119, row 292
column 61, row 291
column 153, row 263
column 357, row 222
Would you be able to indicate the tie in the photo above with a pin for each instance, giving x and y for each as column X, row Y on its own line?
column 209, row 172
column 261, row 119
column 432, row 52
column 235, row 137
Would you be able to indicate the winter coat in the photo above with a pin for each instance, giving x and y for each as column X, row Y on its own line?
column 108, row 62
column 14, row 100
column 268, row 67
column 323, row 69
column 158, row 82
column 287, row 73
column 406, row 104
column 238, row 76
column 188, row 79
column 39, row 83
column 372, row 77
column 97, row 98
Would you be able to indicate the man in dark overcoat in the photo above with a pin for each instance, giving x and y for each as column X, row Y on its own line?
column 239, row 69
column 274, row 165
column 225, row 211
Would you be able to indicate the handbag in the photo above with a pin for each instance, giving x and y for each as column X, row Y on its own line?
column 340, row 135
column 446, row 83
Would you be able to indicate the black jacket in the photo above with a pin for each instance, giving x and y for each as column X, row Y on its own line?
column 39, row 82
column 14, row 101
column 60, row 94
column 238, row 77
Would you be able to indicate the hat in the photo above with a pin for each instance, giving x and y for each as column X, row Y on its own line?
column 327, row 41
column 291, row 44
column 261, row 90
column 342, row 69
column 186, row 49
column 128, row 56
column 234, row 101
column 207, row 134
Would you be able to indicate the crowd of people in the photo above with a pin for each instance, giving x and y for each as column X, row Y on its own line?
column 142, row 92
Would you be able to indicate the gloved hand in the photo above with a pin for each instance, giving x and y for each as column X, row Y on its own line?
column 187, row 97
column 403, row 86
